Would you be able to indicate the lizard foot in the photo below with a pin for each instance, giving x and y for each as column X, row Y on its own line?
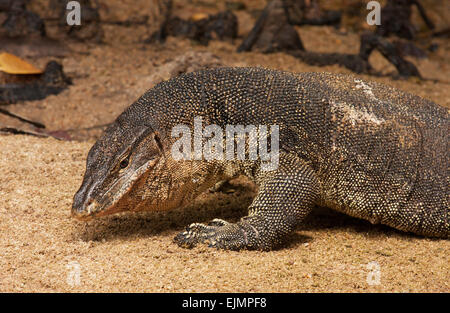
column 217, row 234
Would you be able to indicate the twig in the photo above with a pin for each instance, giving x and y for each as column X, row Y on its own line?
column 17, row 131
column 36, row 124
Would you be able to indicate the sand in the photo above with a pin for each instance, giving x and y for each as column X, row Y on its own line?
column 44, row 250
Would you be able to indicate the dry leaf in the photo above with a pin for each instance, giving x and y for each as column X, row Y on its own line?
column 198, row 16
column 11, row 64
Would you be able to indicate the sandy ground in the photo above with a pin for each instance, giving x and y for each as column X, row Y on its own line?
column 44, row 250
column 42, row 247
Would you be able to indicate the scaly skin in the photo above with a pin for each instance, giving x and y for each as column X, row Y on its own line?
column 361, row 148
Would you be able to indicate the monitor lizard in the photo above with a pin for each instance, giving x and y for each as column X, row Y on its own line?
column 362, row 148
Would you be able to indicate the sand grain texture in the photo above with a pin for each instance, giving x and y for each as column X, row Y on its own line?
column 39, row 242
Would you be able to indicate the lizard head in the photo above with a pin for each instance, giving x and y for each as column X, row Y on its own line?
column 130, row 168
column 122, row 158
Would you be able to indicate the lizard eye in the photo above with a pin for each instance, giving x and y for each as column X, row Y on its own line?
column 124, row 163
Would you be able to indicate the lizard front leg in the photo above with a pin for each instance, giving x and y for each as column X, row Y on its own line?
column 285, row 197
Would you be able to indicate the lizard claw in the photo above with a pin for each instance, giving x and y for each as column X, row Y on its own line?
column 217, row 234
column 197, row 233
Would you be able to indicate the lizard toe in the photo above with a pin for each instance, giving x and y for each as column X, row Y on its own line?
column 194, row 234
column 217, row 234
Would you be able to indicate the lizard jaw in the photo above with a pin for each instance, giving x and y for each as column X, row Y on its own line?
column 92, row 211
column 94, row 208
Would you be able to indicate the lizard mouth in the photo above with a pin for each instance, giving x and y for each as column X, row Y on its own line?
column 93, row 210
column 87, row 214
column 109, row 202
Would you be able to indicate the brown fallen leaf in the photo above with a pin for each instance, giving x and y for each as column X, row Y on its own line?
column 199, row 16
column 11, row 64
